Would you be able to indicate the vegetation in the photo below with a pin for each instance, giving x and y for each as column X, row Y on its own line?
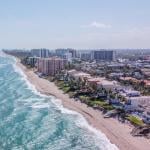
column 66, row 89
column 89, row 96
column 85, row 94
column 101, row 104
column 84, row 98
column 134, row 120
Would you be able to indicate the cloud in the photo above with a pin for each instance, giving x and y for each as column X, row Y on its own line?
column 97, row 25
column 127, row 38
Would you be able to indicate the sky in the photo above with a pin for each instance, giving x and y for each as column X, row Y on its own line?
column 80, row 24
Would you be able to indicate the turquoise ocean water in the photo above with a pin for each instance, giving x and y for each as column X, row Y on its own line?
column 32, row 121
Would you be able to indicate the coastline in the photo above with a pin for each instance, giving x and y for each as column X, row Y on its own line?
column 116, row 132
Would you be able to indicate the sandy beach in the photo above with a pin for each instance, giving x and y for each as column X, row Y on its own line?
column 117, row 133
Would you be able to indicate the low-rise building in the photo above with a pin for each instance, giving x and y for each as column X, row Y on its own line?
column 129, row 92
column 98, row 82
column 116, row 75
column 72, row 72
column 146, row 72
column 140, row 102
column 109, row 85
column 94, row 82
column 78, row 74
column 132, row 93
column 147, row 83
column 129, row 79
column 81, row 75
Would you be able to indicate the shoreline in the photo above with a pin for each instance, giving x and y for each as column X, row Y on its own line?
column 116, row 132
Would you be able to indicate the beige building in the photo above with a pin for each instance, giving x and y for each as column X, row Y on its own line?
column 50, row 66
column 78, row 74
column 109, row 85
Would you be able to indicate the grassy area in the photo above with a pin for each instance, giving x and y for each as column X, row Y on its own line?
column 134, row 120
column 63, row 86
column 84, row 98
column 102, row 104
column 108, row 107
column 66, row 89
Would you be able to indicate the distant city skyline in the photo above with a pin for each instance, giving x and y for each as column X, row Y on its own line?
column 80, row 24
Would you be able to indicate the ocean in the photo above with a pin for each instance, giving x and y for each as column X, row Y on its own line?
column 32, row 121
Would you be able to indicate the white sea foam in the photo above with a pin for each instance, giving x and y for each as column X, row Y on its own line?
column 40, row 105
column 81, row 121
column 24, row 77
column 100, row 137
column 4, row 55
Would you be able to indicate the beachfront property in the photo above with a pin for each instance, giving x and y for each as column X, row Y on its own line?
column 101, row 82
column 109, row 85
column 78, row 74
column 32, row 61
column 99, row 85
column 141, row 101
column 127, row 92
column 50, row 66
column 96, row 82
column 140, row 107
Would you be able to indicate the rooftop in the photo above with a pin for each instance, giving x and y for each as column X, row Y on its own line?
column 129, row 78
column 95, row 79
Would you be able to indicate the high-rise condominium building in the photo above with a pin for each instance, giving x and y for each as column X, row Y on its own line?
column 104, row 55
column 85, row 55
column 50, row 66
column 66, row 52
column 44, row 53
